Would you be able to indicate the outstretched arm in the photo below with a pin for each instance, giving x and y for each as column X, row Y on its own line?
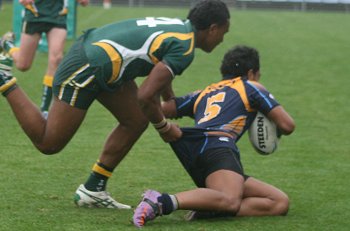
column 150, row 91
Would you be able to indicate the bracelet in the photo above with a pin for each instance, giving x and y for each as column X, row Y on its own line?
column 163, row 126
column 160, row 124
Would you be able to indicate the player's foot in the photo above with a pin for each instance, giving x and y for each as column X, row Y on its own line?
column 89, row 199
column 148, row 209
column 6, row 62
column 8, row 37
column 7, row 82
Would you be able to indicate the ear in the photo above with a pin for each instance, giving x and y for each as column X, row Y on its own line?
column 254, row 76
column 213, row 28
column 251, row 75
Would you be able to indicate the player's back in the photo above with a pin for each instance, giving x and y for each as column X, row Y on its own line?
column 231, row 105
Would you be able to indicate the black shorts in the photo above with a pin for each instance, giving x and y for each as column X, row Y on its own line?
column 200, row 165
column 40, row 27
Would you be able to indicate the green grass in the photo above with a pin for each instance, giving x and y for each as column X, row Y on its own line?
column 305, row 64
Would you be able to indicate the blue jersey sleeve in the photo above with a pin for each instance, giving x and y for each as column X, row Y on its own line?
column 185, row 104
column 260, row 98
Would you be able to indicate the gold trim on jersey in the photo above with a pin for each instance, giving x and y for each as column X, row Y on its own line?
column 236, row 125
column 115, row 58
column 70, row 79
column 159, row 40
column 32, row 8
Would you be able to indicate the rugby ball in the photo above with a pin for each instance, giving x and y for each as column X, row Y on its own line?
column 263, row 135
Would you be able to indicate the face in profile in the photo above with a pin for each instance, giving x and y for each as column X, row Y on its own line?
column 214, row 36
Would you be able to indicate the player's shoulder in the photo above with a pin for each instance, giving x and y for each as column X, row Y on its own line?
column 256, row 85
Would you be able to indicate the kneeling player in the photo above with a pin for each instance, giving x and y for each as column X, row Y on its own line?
column 222, row 112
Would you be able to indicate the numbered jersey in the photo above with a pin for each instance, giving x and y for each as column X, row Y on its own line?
column 129, row 49
column 47, row 11
column 229, row 106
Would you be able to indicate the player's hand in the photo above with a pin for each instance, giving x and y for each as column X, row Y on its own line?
column 173, row 134
column 26, row 2
column 83, row 2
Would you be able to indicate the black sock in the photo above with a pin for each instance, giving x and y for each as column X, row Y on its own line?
column 167, row 204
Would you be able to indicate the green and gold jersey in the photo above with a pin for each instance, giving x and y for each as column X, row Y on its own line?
column 130, row 49
column 51, row 11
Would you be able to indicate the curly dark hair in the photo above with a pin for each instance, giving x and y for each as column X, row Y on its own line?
column 208, row 12
column 238, row 61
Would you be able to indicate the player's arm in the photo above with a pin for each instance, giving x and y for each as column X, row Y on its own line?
column 149, row 95
column 277, row 114
column 282, row 119
column 169, row 108
column 168, row 93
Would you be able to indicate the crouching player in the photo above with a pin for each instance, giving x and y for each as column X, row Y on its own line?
column 222, row 112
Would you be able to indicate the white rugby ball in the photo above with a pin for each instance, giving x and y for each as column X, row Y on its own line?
column 263, row 135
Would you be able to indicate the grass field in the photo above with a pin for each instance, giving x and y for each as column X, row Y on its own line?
column 305, row 64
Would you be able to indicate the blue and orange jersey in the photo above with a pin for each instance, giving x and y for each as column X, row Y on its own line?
column 226, row 108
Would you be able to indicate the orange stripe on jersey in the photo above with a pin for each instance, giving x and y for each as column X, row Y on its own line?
column 238, row 85
column 236, row 125
column 159, row 40
column 115, row 58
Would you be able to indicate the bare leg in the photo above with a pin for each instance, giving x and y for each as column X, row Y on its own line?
column 124, row 106
column 23, row 58
column 262, row 199
column 223, row 193
column 51, row 135
column 56, row 38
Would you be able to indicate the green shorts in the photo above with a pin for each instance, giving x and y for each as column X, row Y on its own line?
column 40, row 27
column 75, row 80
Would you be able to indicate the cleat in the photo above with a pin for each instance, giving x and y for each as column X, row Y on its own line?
column 90, row 199
column 7, row 37
column 7, row 82
column 148, row 209
column 6, row 63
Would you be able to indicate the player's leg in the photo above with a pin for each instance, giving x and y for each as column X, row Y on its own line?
column 24, row 55
column 56, row 38
column 262, row 199
column 51, row 135
column 123, row 105
column 221, row 196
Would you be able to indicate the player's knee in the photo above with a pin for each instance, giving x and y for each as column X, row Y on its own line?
column 23, row 66
column 55, row 59
column 282, row 205
column 49, row 149
column 138, row 126
column 231, row 204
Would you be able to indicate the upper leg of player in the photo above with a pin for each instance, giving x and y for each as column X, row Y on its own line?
column 23, row 58
column 226, row 177
column 30, row 37
column 124, row 106
column 220, row 172
column 56, row 38
column 262, row 199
